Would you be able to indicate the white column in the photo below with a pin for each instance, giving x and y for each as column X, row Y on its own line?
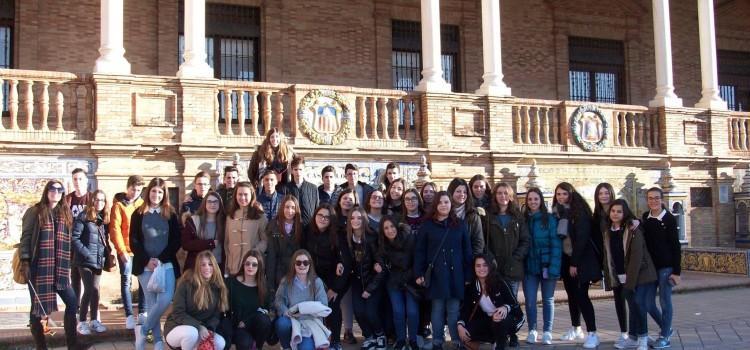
column 492, row 84
column 194, row 65
column 432, row 72
column 665, row 95
column 709, row 75
column 111, row 51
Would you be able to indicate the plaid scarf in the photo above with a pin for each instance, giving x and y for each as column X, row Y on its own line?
column 52, row 268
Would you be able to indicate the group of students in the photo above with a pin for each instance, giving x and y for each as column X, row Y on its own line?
column 280, row 258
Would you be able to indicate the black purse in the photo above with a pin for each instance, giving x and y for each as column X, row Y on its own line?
column 428, row 273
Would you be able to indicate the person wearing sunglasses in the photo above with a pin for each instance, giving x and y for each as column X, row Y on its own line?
column 300, row 284
column 204, row 230
column 249, row 302
column 45, row 260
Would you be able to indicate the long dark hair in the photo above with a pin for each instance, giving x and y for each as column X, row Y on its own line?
column 493, row 280
column 627, row 214
column 542, row 207
column 267, row 152
column 383, row 240
column 350, row 231
column 452, row 218
column 487, row 188
column 297, row 225
column 599, row 207
column 368, row 208
column 91, row 214
column 254, row 210
column 61, row 210
column 166, row 208
column 513, row 209
column 388, row 200
column 421, row 192
column 341, row 195
column 420, row 205
column 457, row 182
column 202, row 213
column 260, row 277
column 578, row 205
column 331, row 229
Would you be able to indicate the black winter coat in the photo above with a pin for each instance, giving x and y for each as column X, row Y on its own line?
column 397, row 258
column 307, row 195
column 587, row 256
column 280, row 250
column 89, row 239
column 325, row 258
column 362, row 272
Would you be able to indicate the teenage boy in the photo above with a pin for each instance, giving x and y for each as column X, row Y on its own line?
column 352, row 181
column 268, row 197
column 226, row 189
column 305, row 191
column 76, row 201
column 123, row 206
column 201, row 186
column 328, row 192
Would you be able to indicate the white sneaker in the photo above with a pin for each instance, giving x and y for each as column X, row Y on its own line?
column 159, row 345
column 140, row 339
column 627, row 343
column 643, row 343
column 130, row 322
column 574, row 333
column 97, row 326
column 531, row 338
column 547, row 338
column 141, row 318
column 83, row 328
column 592, row 341
column 623, row 336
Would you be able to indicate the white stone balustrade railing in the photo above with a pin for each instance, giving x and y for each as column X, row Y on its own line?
column 634, row 126
column 251, row 109
column 739, row 131
column 386, row 115
column 538, row 122
column 41, row 103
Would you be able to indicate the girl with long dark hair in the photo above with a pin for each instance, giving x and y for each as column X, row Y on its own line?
column 249, row 302
column 481, row 191
column 204, row 230
column 284, row 236
column 581, row 264
column 273, row 154
column 463, row 206
column 394, row 198
column 45, row 261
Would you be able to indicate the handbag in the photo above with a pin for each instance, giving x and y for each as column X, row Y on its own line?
column 208, row 343
column 428, row 273
column 19, row 276
column 109, row 257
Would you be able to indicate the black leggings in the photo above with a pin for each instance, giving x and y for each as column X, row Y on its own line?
column 620, row 310
column 256, row 331
column 334, row 319
column 579, row 301
column 90, row 298
column 483, row 329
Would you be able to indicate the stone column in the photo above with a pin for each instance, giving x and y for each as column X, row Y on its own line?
column 665, row 96
column 492, row 84
column 709, row 75
column 111, row 51
column 432, row 72
column 195, row 65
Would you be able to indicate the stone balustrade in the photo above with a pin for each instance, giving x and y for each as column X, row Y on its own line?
column 634, row 126
column 739, row 131
column 45, row 106
column 249, row 109
column 538, row 122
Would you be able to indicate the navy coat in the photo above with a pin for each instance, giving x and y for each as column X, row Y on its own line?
column 452, row 268
column 89, row 248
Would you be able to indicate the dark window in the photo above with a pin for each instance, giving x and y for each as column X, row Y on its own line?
column 597, row 70
column 700, row 197
column 406, row 58
column 7, row 19
column 734, row 79
column 232, row 40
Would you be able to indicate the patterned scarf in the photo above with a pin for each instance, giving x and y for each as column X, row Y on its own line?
column 52, row 268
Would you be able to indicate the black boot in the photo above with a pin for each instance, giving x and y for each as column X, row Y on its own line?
column 37, row 332
column 71, row 336
column 513, row 341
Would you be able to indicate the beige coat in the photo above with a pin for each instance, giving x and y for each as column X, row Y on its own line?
column 240, row 236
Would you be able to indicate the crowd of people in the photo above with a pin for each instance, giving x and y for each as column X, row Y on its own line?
column 277, row 259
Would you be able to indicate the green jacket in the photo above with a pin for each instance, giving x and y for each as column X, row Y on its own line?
column 639, row 268
column 509, row 245
column 186, row 313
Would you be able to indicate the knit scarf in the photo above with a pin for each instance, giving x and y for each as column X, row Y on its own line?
column 52, row 269
column 460, row 211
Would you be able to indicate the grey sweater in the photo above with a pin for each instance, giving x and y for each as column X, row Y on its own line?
column 288, row 295
column 155, row 233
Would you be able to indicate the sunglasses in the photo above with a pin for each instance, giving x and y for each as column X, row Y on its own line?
column 302, row 263
column 251, row 264
column 57, row 189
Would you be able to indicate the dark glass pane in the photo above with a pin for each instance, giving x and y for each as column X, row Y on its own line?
column 580, row 86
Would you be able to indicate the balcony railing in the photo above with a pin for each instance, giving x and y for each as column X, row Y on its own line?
column 739, row 131
column 46, row 106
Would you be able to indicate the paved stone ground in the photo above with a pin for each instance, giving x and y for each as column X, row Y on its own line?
column 717, row 319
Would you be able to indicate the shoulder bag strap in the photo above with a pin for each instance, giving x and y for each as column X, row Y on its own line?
column 445, row 235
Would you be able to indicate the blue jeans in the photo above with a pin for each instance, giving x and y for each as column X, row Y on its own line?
column 126, row 269
column 156, row 303
column 405, row 313
column 663, row 317
column 531, row 284
column 638, row 301
column 439, row 309
column 284, row 331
